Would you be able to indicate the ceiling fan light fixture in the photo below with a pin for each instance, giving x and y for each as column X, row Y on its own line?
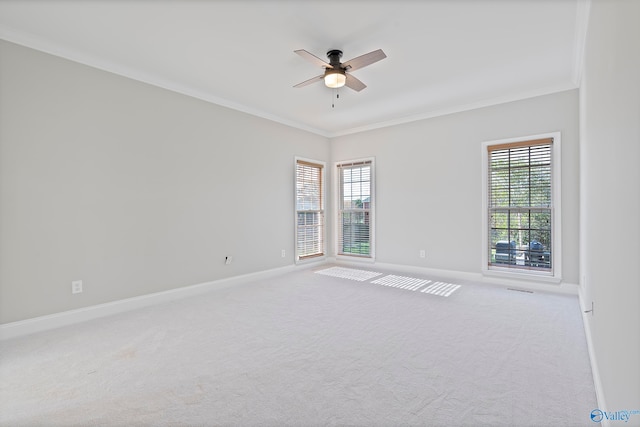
column 334, row 79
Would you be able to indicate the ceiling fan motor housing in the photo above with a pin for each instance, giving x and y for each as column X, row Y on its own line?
column 334, row 60
column 334, row 57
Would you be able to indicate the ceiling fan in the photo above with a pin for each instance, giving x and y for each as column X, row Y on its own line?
column 336, row 73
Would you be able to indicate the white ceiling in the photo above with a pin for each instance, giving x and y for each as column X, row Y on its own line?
column 442, row 56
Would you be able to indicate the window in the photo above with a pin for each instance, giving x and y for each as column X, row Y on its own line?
column 355, row 208
column 522, row 204
column 309, row 209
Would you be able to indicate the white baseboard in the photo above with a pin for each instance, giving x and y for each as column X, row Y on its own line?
column 56, row 320
column 530, row 285
column 584, row 306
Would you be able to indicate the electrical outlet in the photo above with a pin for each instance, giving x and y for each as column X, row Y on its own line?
column 590, row 311
column 284, row 253
column 423, row 253
column 228, row 259
column 76, row 286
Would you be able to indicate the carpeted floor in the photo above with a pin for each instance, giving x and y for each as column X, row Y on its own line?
column 312, row 349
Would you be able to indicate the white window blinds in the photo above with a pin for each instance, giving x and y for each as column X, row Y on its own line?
column 355, row 207
column 520, row 205
column 309, row 210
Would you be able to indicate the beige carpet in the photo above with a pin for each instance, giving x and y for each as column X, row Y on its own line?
column 312, row 349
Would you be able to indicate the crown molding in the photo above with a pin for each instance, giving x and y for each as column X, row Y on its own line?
column 580, row 39
column 46, row 46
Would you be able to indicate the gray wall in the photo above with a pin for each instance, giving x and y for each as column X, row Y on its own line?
column 131, row 188
column 610, row 198
column 429, row 180
column 134, row 189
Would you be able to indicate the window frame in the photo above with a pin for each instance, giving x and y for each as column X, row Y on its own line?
column 555, row 275
column 338, row 185
column 322, row 211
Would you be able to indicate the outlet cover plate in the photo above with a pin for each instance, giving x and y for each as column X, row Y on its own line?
column 76, row 286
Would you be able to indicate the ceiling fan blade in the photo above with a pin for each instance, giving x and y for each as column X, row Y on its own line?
column 354, row 83
column 312, row 58
column 364, row 60
column 310, row 81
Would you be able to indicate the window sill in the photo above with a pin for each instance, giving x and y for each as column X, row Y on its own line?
column 524, row 275
column 312, row 259
column 355, row 258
